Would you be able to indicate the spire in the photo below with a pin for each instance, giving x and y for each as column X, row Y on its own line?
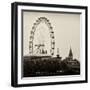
column 70, row 53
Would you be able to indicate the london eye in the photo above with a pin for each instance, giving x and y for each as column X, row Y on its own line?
column 40, row 46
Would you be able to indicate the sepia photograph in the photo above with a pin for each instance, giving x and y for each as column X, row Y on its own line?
column 49, row 44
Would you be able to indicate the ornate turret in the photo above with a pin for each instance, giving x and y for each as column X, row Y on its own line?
column 57, row 52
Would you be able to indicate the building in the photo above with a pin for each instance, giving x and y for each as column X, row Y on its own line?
column 72, row 65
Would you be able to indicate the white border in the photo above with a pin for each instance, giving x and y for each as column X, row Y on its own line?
column 82, row 48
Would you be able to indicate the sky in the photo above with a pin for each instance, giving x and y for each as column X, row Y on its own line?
column 66, row 29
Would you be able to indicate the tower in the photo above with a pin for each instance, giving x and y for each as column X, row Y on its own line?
column 57, row 52
column 70, row 54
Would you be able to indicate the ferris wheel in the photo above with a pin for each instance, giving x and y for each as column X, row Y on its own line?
column 32, row 33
